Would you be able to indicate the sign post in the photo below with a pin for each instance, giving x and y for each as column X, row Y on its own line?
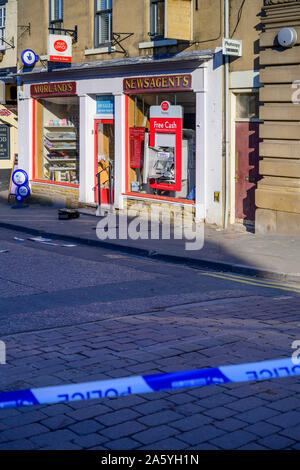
column 232, row 47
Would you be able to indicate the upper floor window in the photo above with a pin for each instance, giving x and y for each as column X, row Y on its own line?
column 2, row 26
column 56, row 13
column 157, row 19
column 103, row 22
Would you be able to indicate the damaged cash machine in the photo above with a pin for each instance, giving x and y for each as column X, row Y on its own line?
column 163, row 155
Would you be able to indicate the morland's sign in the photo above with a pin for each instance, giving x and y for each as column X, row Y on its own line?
column 41, row 90
column 157, row 83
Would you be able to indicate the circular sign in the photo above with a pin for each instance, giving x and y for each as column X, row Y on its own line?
column 19, row 198
column 60, row 45
column 23, row 191
column 165, row 106
column 29, row 57
column 20, row 177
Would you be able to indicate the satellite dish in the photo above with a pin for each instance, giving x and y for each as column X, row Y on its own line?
column 287, row 37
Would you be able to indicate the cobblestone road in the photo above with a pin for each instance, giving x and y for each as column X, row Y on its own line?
column 88, row 314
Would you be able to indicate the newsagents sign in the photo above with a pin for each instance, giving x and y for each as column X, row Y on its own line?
column 59, row 48
column 232, row 47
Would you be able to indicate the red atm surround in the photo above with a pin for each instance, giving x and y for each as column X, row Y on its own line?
column 162, row 121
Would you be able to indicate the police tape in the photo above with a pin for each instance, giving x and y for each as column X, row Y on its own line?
column 150, row 383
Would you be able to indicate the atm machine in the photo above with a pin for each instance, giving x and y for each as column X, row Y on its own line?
column 169, row 152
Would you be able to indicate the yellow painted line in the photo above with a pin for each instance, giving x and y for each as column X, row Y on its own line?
column 260, row 281
column 252, row 282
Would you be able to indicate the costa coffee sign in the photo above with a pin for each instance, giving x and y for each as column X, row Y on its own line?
column 41, row 90
column 59, row 48
column 157, row 83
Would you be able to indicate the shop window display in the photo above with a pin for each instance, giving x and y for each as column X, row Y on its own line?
column 57, row 157
column 162, row 164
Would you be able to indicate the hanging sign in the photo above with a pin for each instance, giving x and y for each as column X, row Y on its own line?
column 232, row 47
column 29, row 57
column 59, row 48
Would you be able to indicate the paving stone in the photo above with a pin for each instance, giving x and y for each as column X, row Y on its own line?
column 86, row 427
column 262, row 429
column 89, row 440
column 252, row 446
column 191, row 422
column 122, row 444
column 88, row 412
column 57, row 422
column 233, row 440
column 230, row 424
column 292, row 432
column 286, row 420
column 287, row 404
column 117, row 417
column 246, row 404
column 162, row 417
column 152, row 435
column 54, row 437
column 220, row 412
column 200, row 435
column 21, row 444
column 153, row 406
column 24, row 418
column 276, row 442
column 257, row 414
column 123, row 430
column 167, row 444
column 20, row 432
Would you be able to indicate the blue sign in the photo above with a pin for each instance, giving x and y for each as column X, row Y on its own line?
column 20, row 177
column 23, row 191
column 105, row 104
column 29, row 57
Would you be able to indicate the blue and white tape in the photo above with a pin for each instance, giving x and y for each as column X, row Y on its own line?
column 150, row 383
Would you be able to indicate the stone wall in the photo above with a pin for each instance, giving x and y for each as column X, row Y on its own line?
column 278, row 193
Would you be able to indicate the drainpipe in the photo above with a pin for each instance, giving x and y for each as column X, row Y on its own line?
column 226, row 58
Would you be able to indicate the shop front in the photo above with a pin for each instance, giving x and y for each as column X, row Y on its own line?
column 114, row 138
column 161, row 117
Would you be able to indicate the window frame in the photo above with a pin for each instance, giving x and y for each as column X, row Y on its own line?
column 2, row 28
column 98, row 14
column 154, row 20
column 56, row 21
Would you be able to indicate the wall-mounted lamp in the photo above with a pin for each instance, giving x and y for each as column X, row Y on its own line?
column 287, row 37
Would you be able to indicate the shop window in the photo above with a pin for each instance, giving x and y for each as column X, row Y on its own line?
column 164, row 164
column 2, row 26
column 157, row 19
column 57, row 140
column 56, row 13
column 247, row 106
column 103, row 22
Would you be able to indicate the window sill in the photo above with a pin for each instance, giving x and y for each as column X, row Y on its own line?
column 59, row 183
column 157, row 43
column 100, row 50
column 153, row 197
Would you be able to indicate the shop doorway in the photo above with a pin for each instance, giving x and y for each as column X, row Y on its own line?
column 246, row 156
column 104, row 161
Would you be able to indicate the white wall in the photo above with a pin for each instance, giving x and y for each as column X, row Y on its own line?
column 214, row 141
column 207, row 83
